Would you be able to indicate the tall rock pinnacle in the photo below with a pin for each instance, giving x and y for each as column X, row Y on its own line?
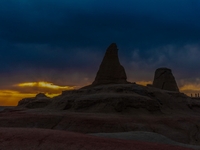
column 110, row 70
column 165, row 80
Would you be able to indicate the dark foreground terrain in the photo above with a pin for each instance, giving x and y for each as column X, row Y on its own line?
column 43, row 139
column 123, row 116
column 22, row 129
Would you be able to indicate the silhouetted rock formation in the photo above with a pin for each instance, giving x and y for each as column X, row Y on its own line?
column 110, row 70
column 39, row 101
column 165, row 80
column 41, row 95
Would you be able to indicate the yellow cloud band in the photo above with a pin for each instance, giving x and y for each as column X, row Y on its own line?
column 45, row 85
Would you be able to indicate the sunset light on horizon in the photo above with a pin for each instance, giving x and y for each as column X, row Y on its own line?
column 30, row 89
column 42, row 84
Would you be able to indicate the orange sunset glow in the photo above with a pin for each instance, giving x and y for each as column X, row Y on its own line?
column 45, row 85
column 11, row 97
column 144, row 83
column 188, row 89
column 30, row 89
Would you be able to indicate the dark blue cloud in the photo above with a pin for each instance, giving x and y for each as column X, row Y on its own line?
column 71, row 36
column 82, row 23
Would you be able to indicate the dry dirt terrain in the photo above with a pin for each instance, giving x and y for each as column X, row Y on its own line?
column 37, row 129
column 43, row 139
column 123, row 116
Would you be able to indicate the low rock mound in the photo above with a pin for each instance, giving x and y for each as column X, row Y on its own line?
column 106, row 99
column 39, row 101
column 125, row 98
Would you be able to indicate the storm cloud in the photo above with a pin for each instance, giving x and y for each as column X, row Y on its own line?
column 63, row 42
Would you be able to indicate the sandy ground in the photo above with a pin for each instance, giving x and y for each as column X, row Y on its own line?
column 44, row 139
column 145, row 137
column 33, row 129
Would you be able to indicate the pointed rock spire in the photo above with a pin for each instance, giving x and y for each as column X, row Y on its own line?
column 110, row 70
column 165, row 80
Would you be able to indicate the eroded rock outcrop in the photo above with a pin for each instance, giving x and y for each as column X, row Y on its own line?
column 110, row 70
column 39, row 101
column 165, row 80
column 107, row 98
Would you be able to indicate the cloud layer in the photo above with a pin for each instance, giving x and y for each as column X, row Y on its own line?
column 63, row 42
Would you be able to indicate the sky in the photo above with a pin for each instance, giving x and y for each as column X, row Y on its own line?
column 54, row 45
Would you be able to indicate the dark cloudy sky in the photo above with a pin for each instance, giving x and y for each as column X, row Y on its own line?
column 64, row 41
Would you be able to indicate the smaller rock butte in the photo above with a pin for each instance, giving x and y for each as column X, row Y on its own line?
column 165, row 80
column 110, row 70
column 41, row 95
column 39, row 101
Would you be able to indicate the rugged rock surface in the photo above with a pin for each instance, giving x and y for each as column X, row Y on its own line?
column 165, row 80
column 123, row 98
column 110, row 70
column 106, row 98
column 39, row 101
column 112, row 98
